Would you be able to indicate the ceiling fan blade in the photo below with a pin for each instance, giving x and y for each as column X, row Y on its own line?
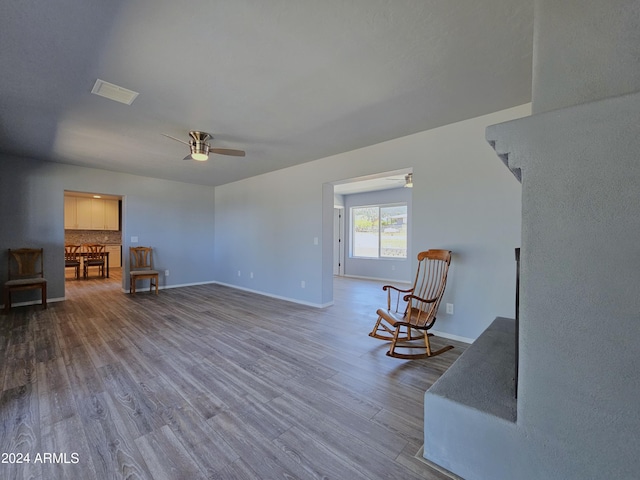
column 188, row 157
column 228, row 151
column 174, row 138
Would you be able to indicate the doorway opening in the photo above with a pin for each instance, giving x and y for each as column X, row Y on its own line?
column 92, row 218
column 367, row 190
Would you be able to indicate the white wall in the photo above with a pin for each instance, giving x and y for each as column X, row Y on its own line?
column 268, row 225
column 463, row 200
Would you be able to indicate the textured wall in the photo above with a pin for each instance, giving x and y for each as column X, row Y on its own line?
column 584, row 50
column 578, row 390
column 579, row 359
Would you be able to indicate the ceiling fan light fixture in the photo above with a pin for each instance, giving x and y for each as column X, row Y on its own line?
column 408, row 180
column 199, row 150
column 199, row 156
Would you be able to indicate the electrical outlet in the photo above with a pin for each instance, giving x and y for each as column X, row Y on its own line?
column 238, row 272
column 134, row 239
column 450, row 308
column 251, row 275
column 302, row 284
column 166, row 273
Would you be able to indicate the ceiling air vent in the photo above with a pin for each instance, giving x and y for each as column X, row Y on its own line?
column 114, row 92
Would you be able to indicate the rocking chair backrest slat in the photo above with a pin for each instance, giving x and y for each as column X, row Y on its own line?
column 431, row 280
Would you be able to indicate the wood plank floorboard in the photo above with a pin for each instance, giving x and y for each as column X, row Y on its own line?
column 210, row 382
column 20, row 429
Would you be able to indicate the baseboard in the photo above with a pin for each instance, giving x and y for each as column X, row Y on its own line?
column 37, row 302
column 451, row 336
column 164, row 287
column 435, row 466
column 286, row 299
column 208, row 282
column 258, row 292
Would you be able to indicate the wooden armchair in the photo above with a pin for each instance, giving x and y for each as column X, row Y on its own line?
column 406, row 323
column 26, row 272
column 141, row 267
column 72, row 258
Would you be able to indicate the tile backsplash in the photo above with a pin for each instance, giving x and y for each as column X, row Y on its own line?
column 107, row 237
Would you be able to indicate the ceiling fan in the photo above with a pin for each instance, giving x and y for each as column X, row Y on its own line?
column 200, row 149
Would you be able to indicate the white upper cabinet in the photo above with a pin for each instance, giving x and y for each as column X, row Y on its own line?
column 111, row 215
column 70, row 216
column 97, row 214
column 83, row 213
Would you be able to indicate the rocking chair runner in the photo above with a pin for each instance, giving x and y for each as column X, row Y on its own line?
column 404, row 328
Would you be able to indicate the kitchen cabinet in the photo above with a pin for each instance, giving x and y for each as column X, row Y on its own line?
column 97, row 214
column 70, row 213
column 77, row 213
column 83, row 213
column 104, row 214
column 115, row 255
column 111, row 215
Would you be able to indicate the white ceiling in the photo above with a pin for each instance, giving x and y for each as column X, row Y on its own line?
column 288, row 81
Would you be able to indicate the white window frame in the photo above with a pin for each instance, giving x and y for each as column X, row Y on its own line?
column 352, row 232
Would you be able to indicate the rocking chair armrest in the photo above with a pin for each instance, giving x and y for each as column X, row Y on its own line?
column 387, row 287
column 415, row 297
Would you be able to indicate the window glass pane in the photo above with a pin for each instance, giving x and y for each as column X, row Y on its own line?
column 393, row 231
column 365, row 232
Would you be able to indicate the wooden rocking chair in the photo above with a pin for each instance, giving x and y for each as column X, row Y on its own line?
column 408, row 328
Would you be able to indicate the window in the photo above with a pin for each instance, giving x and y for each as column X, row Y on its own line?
column 379, row 231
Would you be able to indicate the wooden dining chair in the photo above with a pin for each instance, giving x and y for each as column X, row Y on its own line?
column 72, row 258
column 94, row 256
column 411, row 313
column 25, row 272
column 141, row 268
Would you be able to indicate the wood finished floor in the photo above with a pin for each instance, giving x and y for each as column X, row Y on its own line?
column 209, row 382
